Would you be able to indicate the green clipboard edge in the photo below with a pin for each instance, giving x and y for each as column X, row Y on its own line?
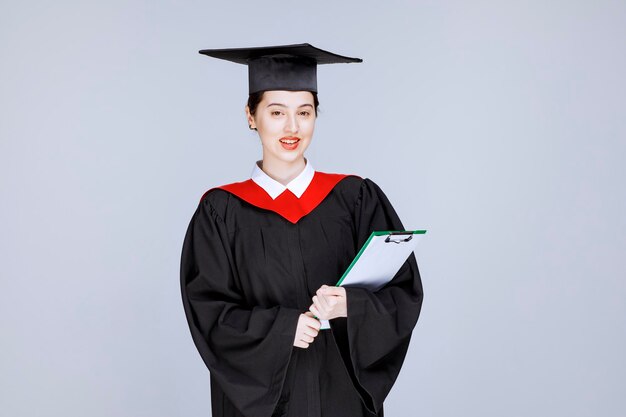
column 367, row 242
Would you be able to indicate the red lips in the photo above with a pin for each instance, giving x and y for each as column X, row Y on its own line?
column 289, row 146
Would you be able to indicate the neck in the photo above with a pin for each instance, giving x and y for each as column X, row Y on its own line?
column 283, row 171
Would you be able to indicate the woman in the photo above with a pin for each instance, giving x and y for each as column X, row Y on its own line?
column 261, row 257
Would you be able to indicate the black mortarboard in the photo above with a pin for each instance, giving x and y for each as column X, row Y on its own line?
column 282, row 67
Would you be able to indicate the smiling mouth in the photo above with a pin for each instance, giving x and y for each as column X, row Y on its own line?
column 289, row 141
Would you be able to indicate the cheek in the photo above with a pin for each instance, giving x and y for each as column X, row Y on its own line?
column 266, row 131
column 271, row 125
column 267, row 141
column 308, row 126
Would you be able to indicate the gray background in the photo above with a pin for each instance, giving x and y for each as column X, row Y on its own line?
column 497, row 125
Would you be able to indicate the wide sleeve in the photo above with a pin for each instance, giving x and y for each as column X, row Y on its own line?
column 374, row 338
column 247, row 348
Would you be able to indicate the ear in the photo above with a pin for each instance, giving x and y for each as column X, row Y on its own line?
column 250, row 118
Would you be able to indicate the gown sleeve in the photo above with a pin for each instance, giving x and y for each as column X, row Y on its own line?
column 374, row 337
column 246, row 348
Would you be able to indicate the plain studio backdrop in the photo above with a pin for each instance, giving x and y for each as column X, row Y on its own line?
column 499, row 126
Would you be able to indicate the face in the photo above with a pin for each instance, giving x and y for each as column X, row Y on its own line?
column 285, row 121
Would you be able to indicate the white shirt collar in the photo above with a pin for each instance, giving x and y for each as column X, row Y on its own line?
column 274, row 188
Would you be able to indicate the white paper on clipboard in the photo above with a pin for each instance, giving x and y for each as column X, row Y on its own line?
column 379, row 260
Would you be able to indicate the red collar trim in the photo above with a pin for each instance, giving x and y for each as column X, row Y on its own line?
column 286, row 204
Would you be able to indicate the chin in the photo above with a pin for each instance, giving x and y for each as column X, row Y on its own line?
column 291, row 158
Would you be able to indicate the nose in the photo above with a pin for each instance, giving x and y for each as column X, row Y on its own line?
column 291, row 125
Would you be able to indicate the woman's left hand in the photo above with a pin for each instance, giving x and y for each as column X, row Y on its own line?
column 329, row 303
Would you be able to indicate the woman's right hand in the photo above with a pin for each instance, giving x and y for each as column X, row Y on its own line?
column 307, row 329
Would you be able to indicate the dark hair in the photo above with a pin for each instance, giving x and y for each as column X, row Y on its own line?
column 255, row 98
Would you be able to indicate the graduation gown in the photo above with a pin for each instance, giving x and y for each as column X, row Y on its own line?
column 250, row 266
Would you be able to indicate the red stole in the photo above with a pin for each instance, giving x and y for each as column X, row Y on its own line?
column 286, row 204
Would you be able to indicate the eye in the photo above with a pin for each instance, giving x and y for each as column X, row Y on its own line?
column 276, row 113
column 305, row 113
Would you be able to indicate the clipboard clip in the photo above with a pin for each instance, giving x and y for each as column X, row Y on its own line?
column 398, row 240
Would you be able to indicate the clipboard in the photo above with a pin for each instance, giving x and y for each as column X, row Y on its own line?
column 378, row 261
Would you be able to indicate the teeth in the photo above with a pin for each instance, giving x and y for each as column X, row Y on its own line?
column 289, row 141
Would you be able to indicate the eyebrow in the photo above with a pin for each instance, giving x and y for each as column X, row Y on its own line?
column 282, row 105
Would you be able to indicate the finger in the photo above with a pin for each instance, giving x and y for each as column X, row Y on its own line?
column 339, row 291
column 309, row 318
column 316, row 312
column 323, row 300
column 313, row 323
column 306, row 338
column 319, row 306
column 301, row 344
column 313, row 309
column 309, row 331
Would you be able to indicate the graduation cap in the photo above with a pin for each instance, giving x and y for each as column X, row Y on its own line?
column 282, row 67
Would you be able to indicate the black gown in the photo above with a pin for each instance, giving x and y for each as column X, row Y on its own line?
column 248, row 273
